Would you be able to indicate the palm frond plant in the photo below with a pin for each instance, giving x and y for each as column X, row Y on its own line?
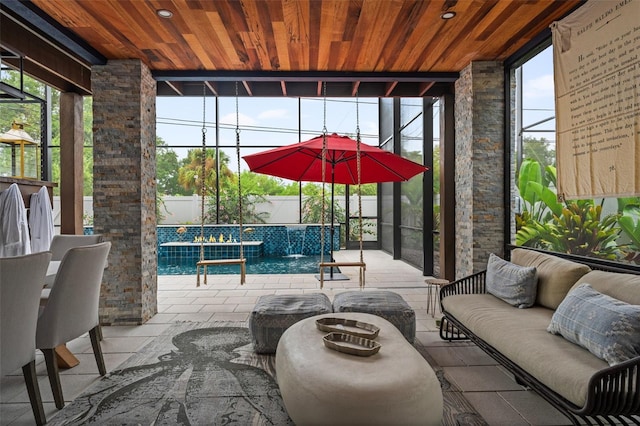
column 629, row 222
column 582, row 230
column 539, row 201
column 575, row 226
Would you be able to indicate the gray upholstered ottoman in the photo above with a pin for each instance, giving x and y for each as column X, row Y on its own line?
column 386, row 304
column 274, row 313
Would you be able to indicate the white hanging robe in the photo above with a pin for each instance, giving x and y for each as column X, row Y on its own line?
column 41, row 221
column 14, row 229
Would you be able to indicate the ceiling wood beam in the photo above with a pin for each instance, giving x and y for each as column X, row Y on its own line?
column 213, row 87
column 176, row 86
column 389, row 88
column 34, row 20
column 424, row 87
column 247, row 87
column 307, row 89
column 354, row 88
column 41, row 73
column 308, row 76
column 43, row 60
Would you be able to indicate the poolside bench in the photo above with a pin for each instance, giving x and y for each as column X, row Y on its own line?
column 215, row 262
column 361, row 265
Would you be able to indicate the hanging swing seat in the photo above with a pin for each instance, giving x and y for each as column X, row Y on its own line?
column 332, row 264
column 361, row 265
column 205, row 263
column 218, row 262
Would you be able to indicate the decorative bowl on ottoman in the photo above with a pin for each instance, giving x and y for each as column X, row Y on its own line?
column 386, row 304
column 274, row 313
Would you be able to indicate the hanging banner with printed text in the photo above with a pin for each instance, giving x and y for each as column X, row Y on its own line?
column 596, row 54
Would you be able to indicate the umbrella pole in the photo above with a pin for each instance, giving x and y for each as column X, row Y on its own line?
column 338, row 276
column 332, row 230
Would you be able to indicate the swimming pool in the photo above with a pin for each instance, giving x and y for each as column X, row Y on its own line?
column 264, row 265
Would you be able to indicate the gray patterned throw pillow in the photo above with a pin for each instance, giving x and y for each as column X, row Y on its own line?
column 515, row 284
column 609, row 328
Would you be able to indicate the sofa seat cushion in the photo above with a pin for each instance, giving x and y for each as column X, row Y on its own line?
column 521, row 335
column 556, row 276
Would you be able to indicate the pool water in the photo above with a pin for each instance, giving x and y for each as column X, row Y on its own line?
column 264, row 265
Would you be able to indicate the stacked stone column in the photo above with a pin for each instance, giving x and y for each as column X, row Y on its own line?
column 124, row 184
column 479, row 177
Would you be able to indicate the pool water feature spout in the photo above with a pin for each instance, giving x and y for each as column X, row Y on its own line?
column 301, row 230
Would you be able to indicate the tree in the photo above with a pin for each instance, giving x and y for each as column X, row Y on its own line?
column 436, row 170
column 312, row 205
column 167, row 170
column 538, row 150
column 259, row 184
column 189, row 174
column 365, row 189
column 87, row 152
column 229, row 207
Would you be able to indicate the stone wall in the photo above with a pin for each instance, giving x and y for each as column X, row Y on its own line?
column 480, row 144
column 125, row 188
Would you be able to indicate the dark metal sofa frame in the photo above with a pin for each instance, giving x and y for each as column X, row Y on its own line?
column 613, row 393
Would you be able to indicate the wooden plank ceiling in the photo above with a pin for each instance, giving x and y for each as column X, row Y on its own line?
column 284, row 42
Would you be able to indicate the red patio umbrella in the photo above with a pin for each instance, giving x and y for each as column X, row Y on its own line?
column 303, row 162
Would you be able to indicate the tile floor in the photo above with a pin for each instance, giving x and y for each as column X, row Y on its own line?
column 489, row 388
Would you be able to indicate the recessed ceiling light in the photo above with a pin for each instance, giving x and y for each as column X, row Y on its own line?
column 164, row 13
column 448, row 15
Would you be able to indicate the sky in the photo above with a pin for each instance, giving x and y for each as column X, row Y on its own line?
column 538, row 94
column 264, row 122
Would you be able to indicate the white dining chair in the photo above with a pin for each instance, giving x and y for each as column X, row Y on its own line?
column 59, row 246
column 63, row 242
column 72, row 308
column 21, row 280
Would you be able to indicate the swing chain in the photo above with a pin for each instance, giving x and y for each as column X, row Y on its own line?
column 203, row 168
column 240, row 210
column 359, row 158
column 324, row 172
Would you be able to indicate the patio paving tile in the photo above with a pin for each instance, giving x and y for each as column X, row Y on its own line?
column 494, row 410
column 481, row 378
column 532, row 407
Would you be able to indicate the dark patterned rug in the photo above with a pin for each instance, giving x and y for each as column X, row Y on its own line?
column 205, row 374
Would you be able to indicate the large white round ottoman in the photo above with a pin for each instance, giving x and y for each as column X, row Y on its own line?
column 321, row 386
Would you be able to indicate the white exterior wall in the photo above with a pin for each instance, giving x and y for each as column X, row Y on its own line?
column 186, row 210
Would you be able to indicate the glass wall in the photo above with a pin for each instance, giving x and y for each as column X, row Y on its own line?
column 264, row 123
column 435, row 174
column 21, row 150
column 408, row 127
column 386, row 194
column 412, row 191
column 601, row 228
